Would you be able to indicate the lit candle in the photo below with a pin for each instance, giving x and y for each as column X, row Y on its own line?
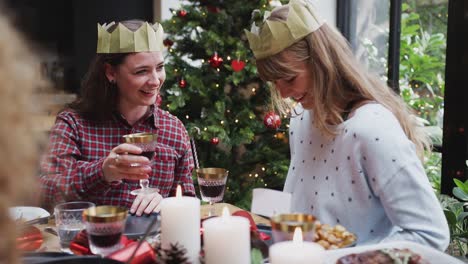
column 180, row 223
column 296, row 251
column 226, row 239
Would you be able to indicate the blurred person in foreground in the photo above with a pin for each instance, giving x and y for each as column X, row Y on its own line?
column 19, row 75
column 356, row 149
column 87, row 159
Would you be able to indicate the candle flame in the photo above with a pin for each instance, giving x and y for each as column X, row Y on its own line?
column 226, row 212
column 297, row 238
column 179, row 191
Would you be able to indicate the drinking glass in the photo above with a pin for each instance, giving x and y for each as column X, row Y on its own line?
column 69, row 221
column 104, row 226
column 212, row 183
column 284, row 225
column 147, row 142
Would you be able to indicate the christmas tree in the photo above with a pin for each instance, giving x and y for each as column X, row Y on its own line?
column 213, row 87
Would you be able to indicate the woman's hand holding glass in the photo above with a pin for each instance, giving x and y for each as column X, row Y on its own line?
column 120, row 164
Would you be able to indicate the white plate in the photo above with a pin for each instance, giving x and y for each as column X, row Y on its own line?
column 429, row 254
column 27, row 213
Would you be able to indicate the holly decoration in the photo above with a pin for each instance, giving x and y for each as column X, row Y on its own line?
column 182, row 13
column 272, row 120
column 182, row 83
column 237, row 65
column 215, row 60
column 214, row 141
column 168, row 43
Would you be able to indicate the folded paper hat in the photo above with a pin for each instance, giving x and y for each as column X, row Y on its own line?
column 271, row 37
column 123, row 40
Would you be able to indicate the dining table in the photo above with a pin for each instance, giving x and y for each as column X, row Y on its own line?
column 51, row 241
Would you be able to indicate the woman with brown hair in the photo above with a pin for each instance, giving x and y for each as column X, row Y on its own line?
column 87, row 159
column 356, row 150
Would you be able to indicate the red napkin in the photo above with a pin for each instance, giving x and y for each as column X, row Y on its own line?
column 144, row 255
column 30, row 239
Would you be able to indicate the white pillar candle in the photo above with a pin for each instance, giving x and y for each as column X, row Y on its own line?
column 296, row 251
column 226, row 239
column 180, row 223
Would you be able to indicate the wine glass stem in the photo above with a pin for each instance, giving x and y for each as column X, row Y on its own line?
column 144, row 184
column 211, row 212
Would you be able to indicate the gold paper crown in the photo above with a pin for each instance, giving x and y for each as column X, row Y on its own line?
column 274, row 36
column 123, row 40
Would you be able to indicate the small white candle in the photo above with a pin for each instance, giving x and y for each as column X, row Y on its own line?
column 226, row 239
column 296, row 251
column 180, row 223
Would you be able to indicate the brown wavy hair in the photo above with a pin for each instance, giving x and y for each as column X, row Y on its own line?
column 20, row 75
column 98, row 98
column 339, row 80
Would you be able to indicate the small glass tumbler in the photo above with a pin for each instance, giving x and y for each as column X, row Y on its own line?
column 283, row 226
column 69, row 221
column 104, row 226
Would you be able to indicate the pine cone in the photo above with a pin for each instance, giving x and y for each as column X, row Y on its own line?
column 176, row 254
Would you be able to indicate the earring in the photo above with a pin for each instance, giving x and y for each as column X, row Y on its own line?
column 112, row 82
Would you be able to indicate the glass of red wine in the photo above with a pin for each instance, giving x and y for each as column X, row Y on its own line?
column 147, row 142
column 104, row 226
column 212, row 183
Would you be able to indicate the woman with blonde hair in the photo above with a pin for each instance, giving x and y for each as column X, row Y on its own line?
column 19, row 75
column 356, row 150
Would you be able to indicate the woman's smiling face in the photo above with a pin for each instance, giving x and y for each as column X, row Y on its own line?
column 297, row 87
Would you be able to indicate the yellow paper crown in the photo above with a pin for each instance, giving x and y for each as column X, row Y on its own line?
column 274, row 36
column 123, row 40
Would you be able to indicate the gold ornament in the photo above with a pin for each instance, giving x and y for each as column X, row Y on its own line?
column 274, row 36
column 123, row 40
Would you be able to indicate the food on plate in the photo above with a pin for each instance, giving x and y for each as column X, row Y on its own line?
column 383, row 256
column 333, row 237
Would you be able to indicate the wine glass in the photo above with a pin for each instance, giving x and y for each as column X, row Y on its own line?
column 212, row 183
column 147, row 142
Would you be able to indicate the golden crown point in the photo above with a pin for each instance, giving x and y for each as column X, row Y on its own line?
column 274, row 36
column 123, row 40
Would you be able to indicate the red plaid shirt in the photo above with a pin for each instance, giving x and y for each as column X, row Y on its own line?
column 72, row 167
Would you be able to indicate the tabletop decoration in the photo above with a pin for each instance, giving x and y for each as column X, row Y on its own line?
column 29, row 239
column 296, row 251
column 176, row 254
column 180, row 223
column 226, row 239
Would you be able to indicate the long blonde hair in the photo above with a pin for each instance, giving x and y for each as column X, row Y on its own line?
column 20, row 74
column 338, row 81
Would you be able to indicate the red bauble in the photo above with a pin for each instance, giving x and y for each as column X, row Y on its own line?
column 181, row 13
column 215, row 60
column 182, row 83
column 272, row 120
column 214, row 141
column 237, row 65
column 168, row 43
